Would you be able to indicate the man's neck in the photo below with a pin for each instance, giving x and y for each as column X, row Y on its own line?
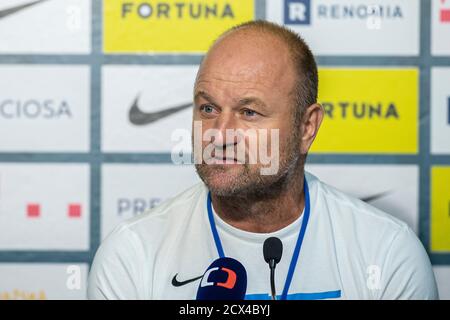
column 263, row 215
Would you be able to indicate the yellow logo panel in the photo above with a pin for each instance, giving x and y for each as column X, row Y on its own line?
column 368, row 111
column 171, row 26
column 440, row 209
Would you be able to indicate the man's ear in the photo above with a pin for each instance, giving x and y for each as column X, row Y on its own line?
column 312, row 118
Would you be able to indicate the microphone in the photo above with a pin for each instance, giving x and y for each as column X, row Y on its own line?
column 225, row 279
column 273, row 250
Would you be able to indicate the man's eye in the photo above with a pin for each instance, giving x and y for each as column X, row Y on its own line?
column 250, row 113
column 207, row 108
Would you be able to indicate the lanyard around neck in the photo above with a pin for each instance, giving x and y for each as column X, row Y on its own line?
column 298, row 245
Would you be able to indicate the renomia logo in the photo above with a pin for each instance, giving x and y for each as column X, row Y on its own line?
column 178, row 10
column 34, row 109
column 299, row 11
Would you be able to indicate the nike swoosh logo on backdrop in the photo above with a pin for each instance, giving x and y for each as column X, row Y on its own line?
column 12, row 10
column 177, row 283
column 140, row 118
column 374, row 197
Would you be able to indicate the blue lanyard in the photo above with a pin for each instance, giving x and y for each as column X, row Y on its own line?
column 298, row 245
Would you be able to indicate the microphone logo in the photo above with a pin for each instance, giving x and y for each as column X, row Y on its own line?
column 225, row 279
column 229, row 283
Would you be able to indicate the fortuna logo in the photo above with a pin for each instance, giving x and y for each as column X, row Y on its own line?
column 229, row 284
column 9, row 11
column 178, row 10
column 140, row 118
column 345, row 109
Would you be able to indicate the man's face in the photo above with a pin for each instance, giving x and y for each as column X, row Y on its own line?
column 246, row 82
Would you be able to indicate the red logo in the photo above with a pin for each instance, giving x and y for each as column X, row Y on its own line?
column 444, row 15
column 74, row 210
column 34, row 210
column 231, row 280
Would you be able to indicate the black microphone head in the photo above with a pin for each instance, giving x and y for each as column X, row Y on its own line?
column 273, row 249
column 225, row 279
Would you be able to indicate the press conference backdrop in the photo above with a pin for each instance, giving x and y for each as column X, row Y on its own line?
column 73, row 164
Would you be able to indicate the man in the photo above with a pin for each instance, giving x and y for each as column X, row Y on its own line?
column 261, row 76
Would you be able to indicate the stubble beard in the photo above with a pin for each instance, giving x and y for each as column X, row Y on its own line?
column 247, row 182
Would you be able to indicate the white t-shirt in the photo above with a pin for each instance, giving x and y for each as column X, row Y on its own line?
column 350, row 250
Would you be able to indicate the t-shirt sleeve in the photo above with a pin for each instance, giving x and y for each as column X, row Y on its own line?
column 407, row 272
column 115, row 270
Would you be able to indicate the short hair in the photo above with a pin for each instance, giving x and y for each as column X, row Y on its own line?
column 302, row 58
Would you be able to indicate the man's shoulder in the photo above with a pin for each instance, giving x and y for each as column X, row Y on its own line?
column 351, row 210
column 358, row 228
column 371, row 238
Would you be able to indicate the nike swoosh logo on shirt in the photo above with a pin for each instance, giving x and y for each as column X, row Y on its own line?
column 140, row 118
column 7, row 12
column 177, row 283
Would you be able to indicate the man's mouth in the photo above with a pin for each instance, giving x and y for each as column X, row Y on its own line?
column 224, row 160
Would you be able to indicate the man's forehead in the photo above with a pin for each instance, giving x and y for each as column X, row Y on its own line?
column 260, row 82
column 239, row 58
column 242, row 97
column 246, row 50
column 248, row 79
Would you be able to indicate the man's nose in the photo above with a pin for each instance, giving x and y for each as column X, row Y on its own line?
column 226, row 122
